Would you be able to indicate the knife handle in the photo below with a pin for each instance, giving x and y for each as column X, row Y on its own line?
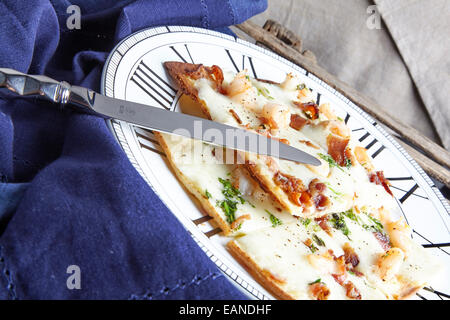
column 78, row 98
column 27, row 85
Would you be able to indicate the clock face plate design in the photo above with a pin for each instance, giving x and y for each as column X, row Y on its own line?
column 134, row 71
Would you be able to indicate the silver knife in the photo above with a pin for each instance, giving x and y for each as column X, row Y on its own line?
column 87, row 101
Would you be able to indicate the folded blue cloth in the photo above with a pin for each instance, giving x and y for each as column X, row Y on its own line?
column 69, row 196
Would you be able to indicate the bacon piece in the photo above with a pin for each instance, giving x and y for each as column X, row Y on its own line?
column 379, row 179
column 351, row 291
column 340, row 262
column 383, row 239
column 336, row 148
column 321, row 202
column 308, row 242
column 356, row 272
column 217, row 73
column 235, row 116
column 350, row 255
column 236, row 223
column 316, row 186
column 310, row 109
column 298, row 122
column 213, row 73
column 305, row 199
column 319, row 291
column 323, row 223
column 316, row 190
column 340, row 278
column 309, row 144
column 292, row 186
column 282, row 140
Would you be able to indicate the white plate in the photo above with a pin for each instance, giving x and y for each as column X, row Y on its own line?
column 134, row 72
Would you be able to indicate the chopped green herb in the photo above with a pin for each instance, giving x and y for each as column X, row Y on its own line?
column 319, row 241
column 313, row 248
column 340, row 119
column 265, row 92
column 207, row 194
column 275, row 221
column 229, row 191
column 332, row 163
column 305, row 222
column 247, row 77
column 309, row 224
column 351, row 272
column 348, row 163
column 330, row 160
column 332, row 190
column 232, row 197
column 351, row 215
column 317, row 281
column 378, row 226
column 339, row 223
column 229, row 207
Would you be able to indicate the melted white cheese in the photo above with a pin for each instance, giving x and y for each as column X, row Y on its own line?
column 350, row 186
column 195, row 160
column 281, row 249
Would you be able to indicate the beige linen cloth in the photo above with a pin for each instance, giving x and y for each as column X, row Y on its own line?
column 403, row 62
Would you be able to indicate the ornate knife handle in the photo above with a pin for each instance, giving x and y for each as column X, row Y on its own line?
column 79, row 98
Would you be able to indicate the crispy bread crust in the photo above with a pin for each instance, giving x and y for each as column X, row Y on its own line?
column 252, row 267
column 180, row 72
column 269, row 186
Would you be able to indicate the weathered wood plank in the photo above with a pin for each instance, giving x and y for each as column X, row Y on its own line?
column 432, row 168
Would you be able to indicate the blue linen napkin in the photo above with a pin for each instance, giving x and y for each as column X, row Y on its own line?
column 69, row 196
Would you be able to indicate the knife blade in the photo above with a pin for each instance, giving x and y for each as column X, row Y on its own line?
column 154, row 118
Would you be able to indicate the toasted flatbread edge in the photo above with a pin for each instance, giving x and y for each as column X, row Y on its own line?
column 179, row 73
column 270, row 187
column 252, row 267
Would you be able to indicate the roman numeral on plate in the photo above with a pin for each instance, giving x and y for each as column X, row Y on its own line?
column 185, row 59
column 159, row 90
column 244, row 58
column 408, row 193
column 318, row 98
